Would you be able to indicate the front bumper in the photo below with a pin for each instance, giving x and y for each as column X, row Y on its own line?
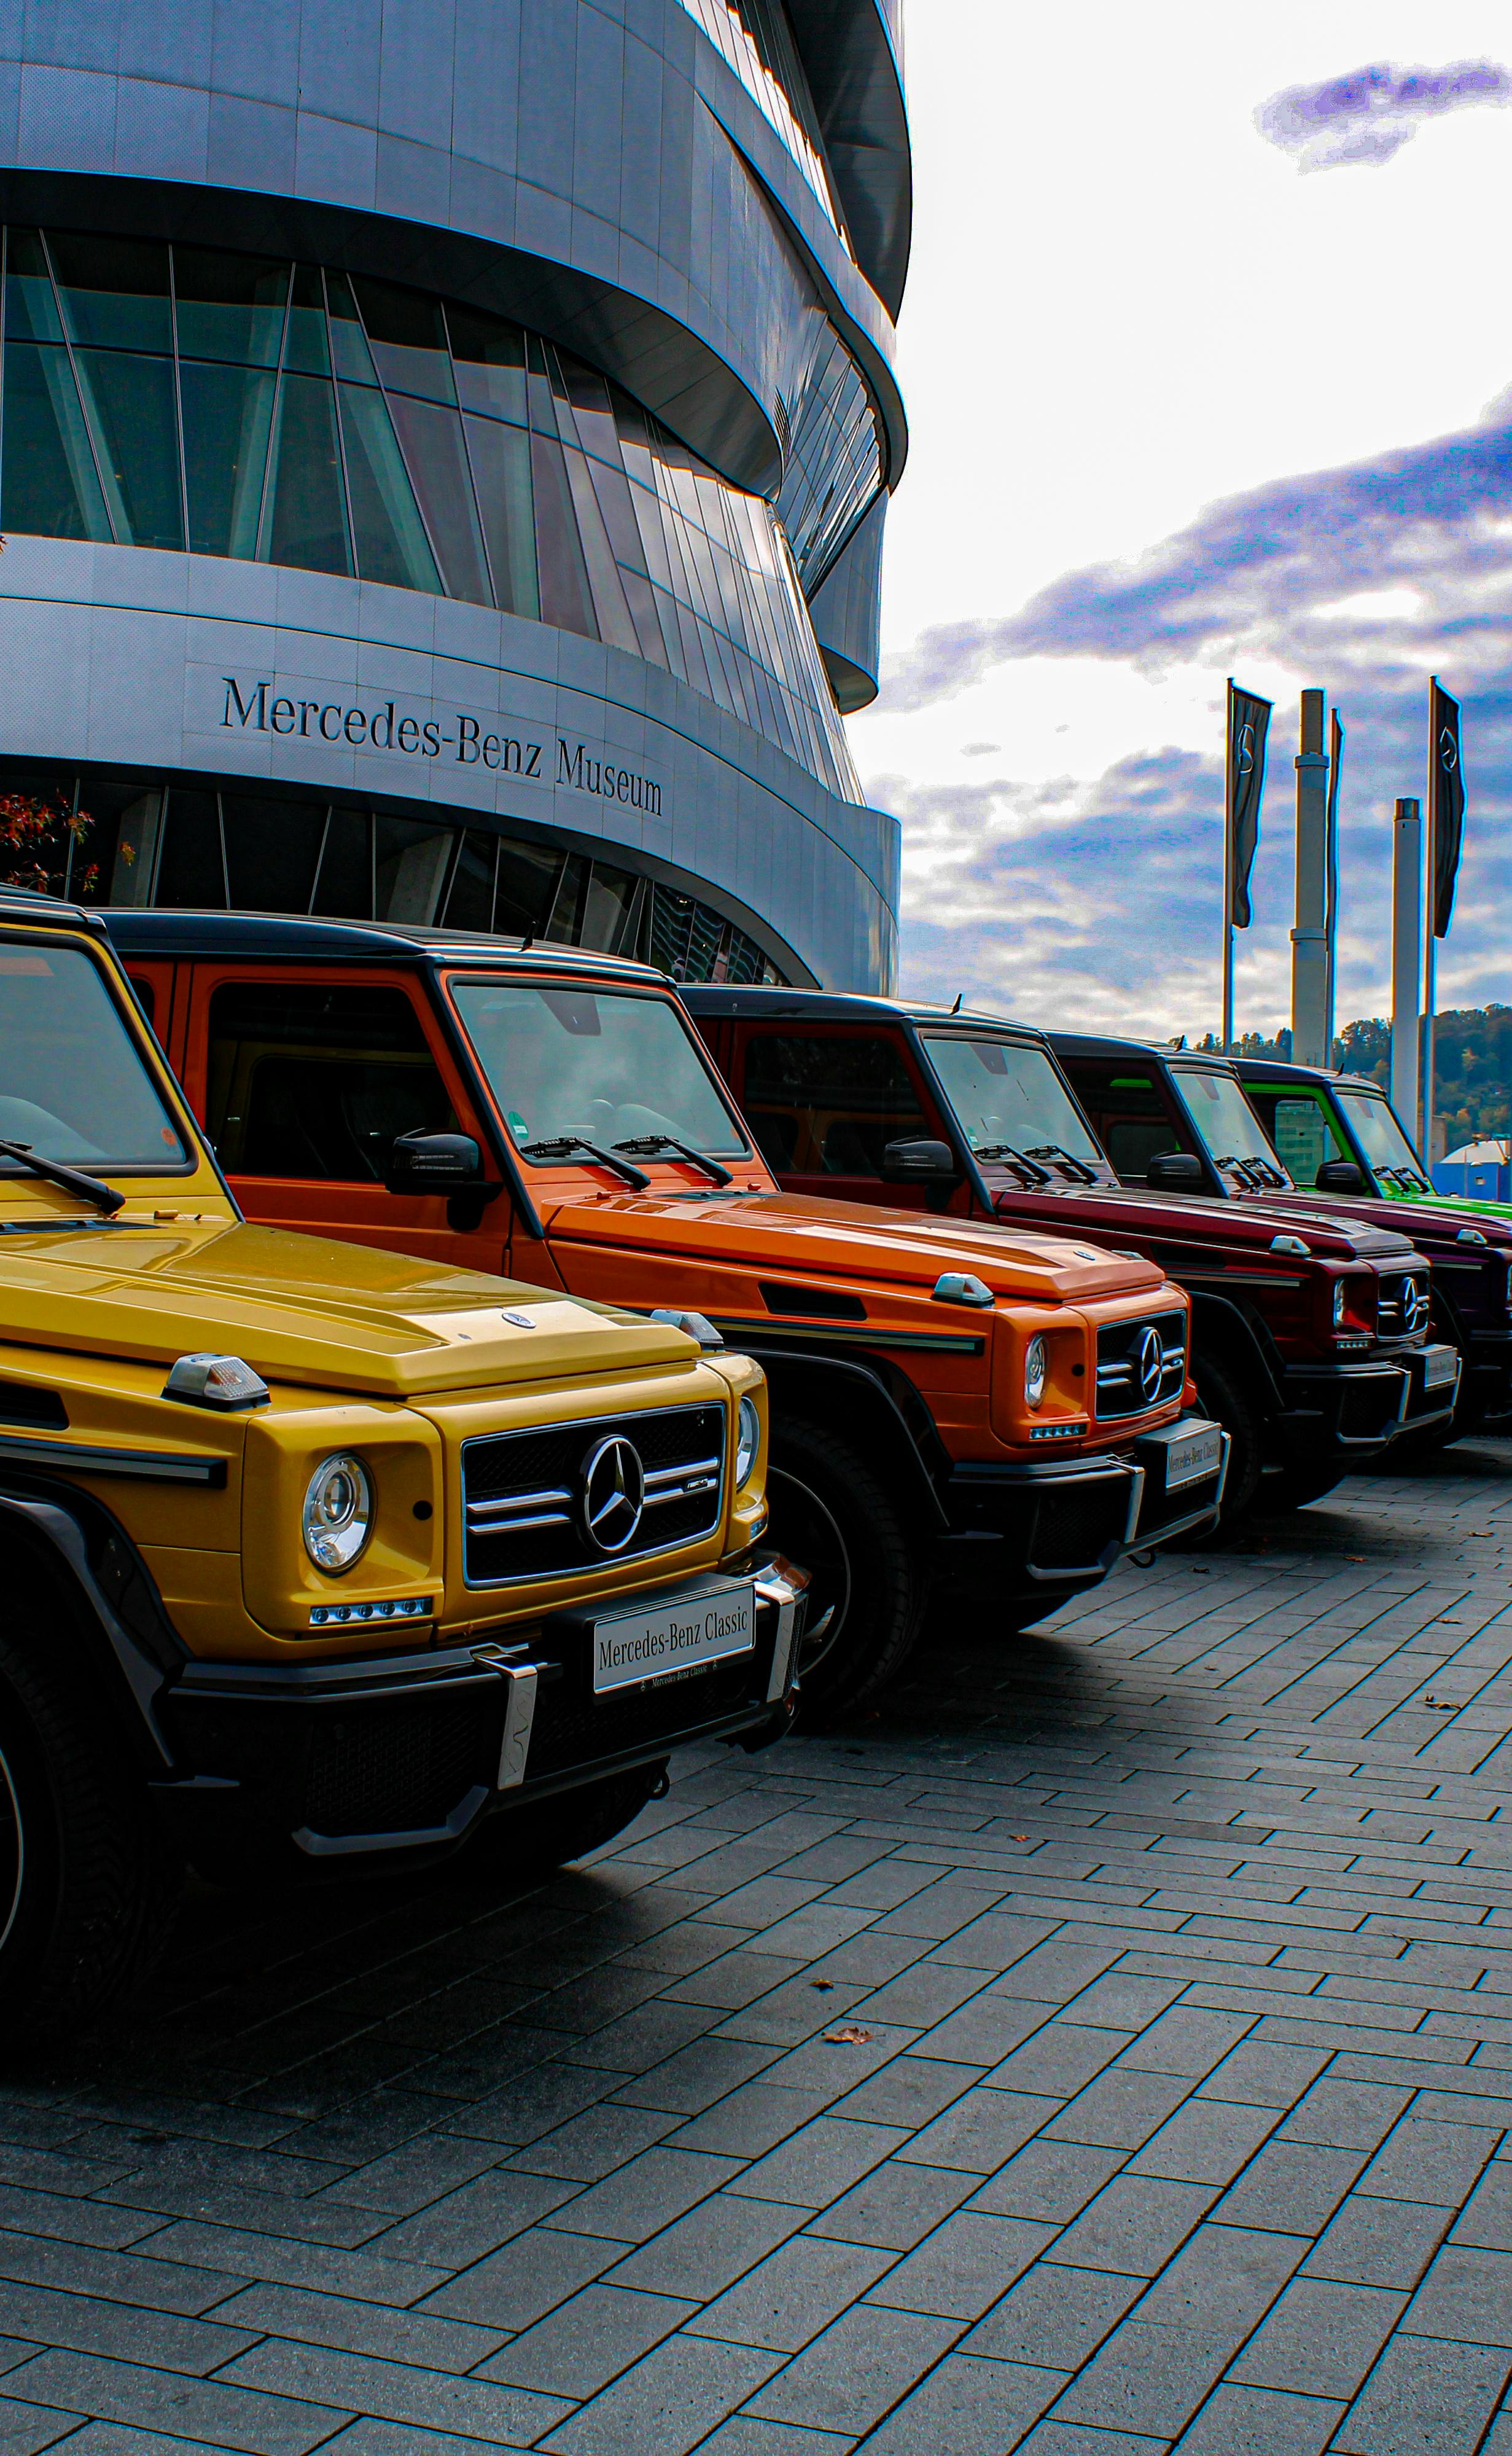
column 1432, row 1386
column 405, row 1753
column 1343, row 1412
column 1020, row 1534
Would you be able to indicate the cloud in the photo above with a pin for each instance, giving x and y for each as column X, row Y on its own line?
column 1099, row 897
column 1382, row 565
column 1372, row 113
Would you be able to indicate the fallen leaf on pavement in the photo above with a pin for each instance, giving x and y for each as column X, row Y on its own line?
column 849, row 2036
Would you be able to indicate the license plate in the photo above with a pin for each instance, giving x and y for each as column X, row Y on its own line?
column 1440, row 1364
column 1195, row 1454
column 657, row 1643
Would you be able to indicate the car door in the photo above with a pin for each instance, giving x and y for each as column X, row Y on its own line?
column 1301, row 1125
column 823, row 1103
column 1133, row 1112
column 305, row 1078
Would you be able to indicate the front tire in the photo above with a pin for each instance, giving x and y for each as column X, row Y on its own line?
column 832, row 1511
column 87, row 1887
column 1222, row 1396
column 1293, row 1487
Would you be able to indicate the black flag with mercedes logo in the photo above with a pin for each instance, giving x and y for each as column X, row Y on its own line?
column 1445, row 801
column 1244, row 776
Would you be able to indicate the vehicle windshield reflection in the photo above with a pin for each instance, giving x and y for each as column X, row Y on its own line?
column 1007, row 1094
column 604, row 1066
column 1379, row 1134
column 72, row 1084
column 1226, row 1125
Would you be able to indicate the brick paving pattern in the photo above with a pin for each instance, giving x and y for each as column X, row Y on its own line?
column 1106, row 2051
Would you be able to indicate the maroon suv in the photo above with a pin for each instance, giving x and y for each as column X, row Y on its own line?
column 1309, row 1330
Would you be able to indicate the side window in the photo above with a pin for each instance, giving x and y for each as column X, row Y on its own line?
column 1300, row 1128
column 822, row 1105
column 1128, row 1115
column 306, row 1080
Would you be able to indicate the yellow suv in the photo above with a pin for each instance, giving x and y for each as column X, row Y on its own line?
column 313, row 1556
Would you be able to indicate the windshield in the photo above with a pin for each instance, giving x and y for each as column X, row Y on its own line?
column 72, row 1083
column 1379, row 1135
column 1224, row 1119
column 609, row 1065
column 1003, row 1092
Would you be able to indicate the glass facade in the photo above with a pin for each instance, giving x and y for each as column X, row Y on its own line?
column 756, row 40
column 242, row 406
column 104, row 839
column 833, row 462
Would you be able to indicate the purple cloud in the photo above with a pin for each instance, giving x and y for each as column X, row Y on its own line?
column 1380, row 566
column 1101, row 896
column 1372, row 113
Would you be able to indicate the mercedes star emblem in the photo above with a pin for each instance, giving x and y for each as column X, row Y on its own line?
column 1150, row 1358
column 613, row 1494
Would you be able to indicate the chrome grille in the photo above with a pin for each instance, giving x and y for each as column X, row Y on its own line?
column 1126, row 1349
column 524, row 1493
column 1402, row 1304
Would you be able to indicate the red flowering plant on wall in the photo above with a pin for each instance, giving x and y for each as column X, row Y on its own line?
column 36, row 832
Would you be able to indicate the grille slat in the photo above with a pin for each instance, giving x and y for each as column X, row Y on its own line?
column 522, row 1492
column 1120, row 1391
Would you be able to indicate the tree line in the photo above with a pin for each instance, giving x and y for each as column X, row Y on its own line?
column 1471, row 1064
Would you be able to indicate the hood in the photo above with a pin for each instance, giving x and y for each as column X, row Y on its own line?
column 303, row 1310
column 809, row 1239
column 1099, row 1210
column 1431, row 1216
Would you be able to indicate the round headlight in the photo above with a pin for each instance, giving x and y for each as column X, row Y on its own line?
column 338, row 1513
column 747, row 1439
column 1036, row 1368
column 1339, row 1294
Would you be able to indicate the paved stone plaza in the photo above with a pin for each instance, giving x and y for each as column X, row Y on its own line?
column 1106, row 2050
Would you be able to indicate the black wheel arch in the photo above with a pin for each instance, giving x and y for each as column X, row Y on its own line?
column 67, row 1546
column 1240, row 1340
column 895, row 1431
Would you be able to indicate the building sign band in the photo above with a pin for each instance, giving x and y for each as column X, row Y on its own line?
column 466, row 741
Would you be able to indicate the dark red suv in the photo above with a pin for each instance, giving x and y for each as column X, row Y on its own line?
column 1309, row 1329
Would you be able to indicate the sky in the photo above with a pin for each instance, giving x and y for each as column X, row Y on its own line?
column 1207, row 352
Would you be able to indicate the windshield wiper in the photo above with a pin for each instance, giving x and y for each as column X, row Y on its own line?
column 105, row 1197
column 649, row 1144
column 1255, row 1170
column 1245, row 1169
column 560, row 1145
column 1077, row 1169
column 1029, row 1168
column 1407, row 1179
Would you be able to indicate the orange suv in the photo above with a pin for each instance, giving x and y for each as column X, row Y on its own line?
column 1003, row 1405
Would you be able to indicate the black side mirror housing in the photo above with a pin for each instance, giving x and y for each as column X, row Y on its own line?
column 1182, row 1170
column 421, row 1163
column 919, row 1163
column 449, row 1164
column 1341, row 1177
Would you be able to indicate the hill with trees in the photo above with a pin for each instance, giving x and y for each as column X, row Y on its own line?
column 1471, row 1064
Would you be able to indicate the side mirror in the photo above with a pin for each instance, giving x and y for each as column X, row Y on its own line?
column 421, row 1163
column 449, row 1164
column 1341, row 1177
column 919, row 1163
column 1182, row 1170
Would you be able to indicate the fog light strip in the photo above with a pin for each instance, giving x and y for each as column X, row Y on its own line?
column 392, row 1607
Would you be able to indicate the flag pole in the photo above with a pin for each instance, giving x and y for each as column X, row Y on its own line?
column 1430, row 952
column 1406, row 951
column 1227, row 1036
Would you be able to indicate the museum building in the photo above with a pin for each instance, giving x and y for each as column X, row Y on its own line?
column 445, row 446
